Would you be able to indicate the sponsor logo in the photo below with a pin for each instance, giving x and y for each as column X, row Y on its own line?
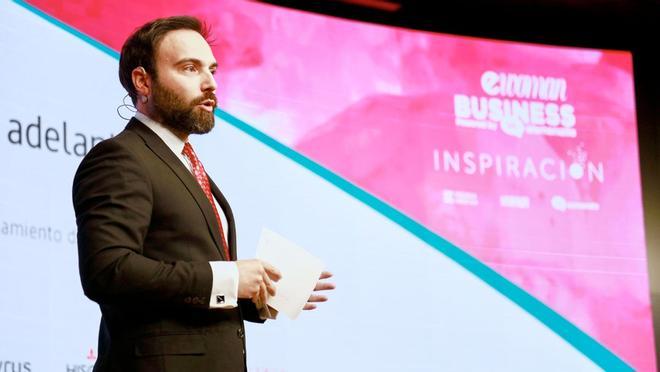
column 460, row 197
column 518, row 105
column 79, row 368
column 83, row 367
column 515, row 201
column 14, row 366
column 560, row 203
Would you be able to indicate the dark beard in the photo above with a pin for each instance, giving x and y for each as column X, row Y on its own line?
column 180, row 116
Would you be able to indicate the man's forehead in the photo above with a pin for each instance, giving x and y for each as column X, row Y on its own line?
column 182, row 44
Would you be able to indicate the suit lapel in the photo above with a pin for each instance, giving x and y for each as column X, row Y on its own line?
column 161, row 150
column 231, row 226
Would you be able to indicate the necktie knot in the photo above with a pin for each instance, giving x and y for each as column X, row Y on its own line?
column 189, row 153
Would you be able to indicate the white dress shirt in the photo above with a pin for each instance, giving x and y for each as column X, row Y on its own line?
column 224, row 292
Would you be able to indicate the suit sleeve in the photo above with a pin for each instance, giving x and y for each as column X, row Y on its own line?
column 112, row 197
column 250, row 311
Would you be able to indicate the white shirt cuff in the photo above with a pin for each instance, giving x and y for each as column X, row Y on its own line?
column 224, row 292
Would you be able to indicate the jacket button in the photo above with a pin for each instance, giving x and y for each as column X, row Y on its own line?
column 240, row 333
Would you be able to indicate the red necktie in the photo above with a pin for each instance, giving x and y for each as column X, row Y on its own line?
column 203, row 181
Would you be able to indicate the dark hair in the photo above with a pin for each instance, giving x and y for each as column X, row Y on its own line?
column 140, row 48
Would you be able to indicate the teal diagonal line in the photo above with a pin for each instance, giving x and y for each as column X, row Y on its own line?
column 581, row 341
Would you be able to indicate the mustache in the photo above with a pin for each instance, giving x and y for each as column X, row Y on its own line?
column 205, row 97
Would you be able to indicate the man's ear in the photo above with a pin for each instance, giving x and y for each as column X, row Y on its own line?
column 141, row 81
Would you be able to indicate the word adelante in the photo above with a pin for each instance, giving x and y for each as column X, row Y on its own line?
column 37, row 135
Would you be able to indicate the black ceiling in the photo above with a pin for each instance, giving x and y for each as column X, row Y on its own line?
column 611, row 24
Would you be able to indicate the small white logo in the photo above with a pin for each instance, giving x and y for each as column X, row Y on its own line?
column 562, row 205
column 458, row 197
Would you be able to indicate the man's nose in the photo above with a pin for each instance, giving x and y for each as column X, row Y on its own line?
column 208, row 82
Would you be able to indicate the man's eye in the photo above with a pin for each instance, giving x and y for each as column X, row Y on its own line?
column 190, row 68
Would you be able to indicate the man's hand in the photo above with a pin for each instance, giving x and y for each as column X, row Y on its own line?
column 320, row 286
column 255, row 276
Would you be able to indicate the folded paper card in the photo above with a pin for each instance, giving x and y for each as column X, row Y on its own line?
column 300, row 272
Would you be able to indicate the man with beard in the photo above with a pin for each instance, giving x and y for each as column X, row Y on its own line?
column 156, row 237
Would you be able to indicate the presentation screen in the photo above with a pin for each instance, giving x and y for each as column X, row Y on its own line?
column 478, row 201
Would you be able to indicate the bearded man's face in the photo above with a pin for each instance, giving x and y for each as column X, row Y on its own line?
column 183, row 90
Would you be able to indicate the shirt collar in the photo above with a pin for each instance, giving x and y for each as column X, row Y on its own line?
column 171, row 140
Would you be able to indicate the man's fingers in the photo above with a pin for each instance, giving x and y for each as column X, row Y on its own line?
column 262, row 295
column 272, row 272
column 325, row 275
column 268, row 286
column 317, row 298
column 321, row 286
column 257, row 300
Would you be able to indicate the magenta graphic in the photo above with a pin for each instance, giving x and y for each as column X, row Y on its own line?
column 523, row 155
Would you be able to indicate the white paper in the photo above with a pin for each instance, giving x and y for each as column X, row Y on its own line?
column 300, row 272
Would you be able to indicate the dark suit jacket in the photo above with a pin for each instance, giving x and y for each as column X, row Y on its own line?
column 146, row 232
